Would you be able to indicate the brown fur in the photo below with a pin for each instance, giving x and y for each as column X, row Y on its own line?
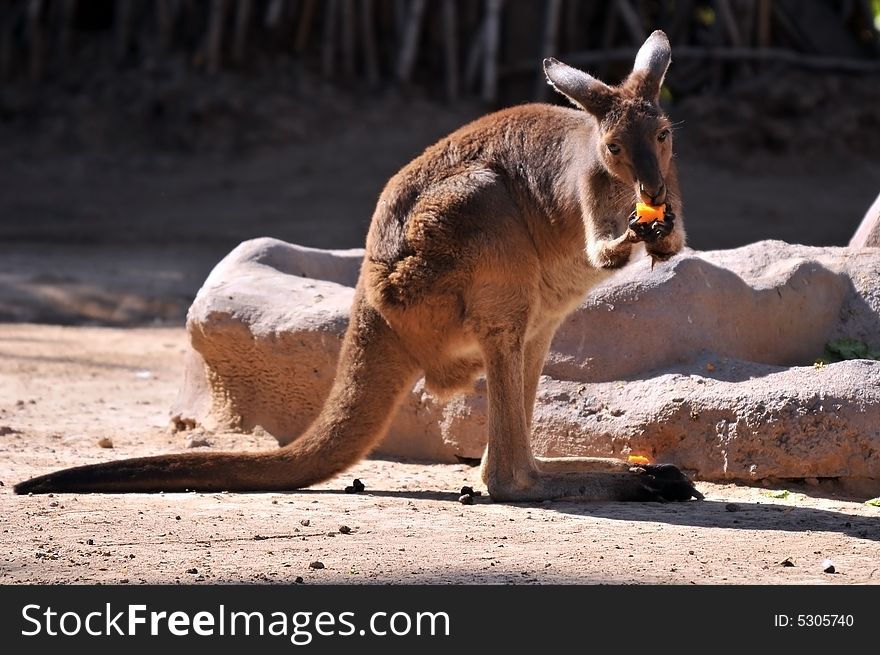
column 476, row 252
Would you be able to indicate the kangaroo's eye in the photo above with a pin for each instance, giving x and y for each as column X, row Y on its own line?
column 613, row 148
column 663, row 135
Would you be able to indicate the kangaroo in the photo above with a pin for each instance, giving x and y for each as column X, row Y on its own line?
column 476, row 252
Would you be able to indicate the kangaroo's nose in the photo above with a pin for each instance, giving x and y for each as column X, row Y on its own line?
column 653, row 194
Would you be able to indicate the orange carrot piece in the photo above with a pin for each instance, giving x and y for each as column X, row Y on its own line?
column 648, row 213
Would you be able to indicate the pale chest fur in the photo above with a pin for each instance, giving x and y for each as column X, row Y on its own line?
column 564, row 283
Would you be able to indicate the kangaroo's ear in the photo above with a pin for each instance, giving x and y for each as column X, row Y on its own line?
column 650, row 67
column 582, row 89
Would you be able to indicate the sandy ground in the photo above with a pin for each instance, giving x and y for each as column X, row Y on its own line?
column 105, row 223
column 63, row 389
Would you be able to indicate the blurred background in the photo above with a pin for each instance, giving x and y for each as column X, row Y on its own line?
column 141, row 140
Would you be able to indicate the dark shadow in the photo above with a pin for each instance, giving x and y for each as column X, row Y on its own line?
column 717, row 514
column 705, row 514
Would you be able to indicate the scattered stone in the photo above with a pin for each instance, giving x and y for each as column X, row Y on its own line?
column 344, row 529
column 466, row 499
column 469, row 491
column 355, row 487
column 197, row 439
column 828, row 566
column 731, row 507
column 177, row 518
column 193, row 571
column 90, row 542
column 786, row 562
column 105, row 442
column 259, row 537
column 317, row 564
column 305, row 522
column 6, row 429
column 299, row 580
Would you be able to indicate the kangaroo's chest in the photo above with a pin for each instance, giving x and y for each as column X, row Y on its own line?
column 565, row 281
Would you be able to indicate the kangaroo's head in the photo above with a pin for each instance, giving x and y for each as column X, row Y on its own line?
column 634, row 141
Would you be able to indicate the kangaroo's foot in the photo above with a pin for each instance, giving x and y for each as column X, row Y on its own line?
column 658, row 483
column 581, row 464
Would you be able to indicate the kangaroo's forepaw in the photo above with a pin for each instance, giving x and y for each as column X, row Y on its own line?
column 665, row 482
column 651, row 231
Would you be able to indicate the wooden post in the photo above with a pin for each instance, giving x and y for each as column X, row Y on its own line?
column 630, row 18
column 216, row 22
column 490, row 54
column 450, row 48
column 65, row 36
column 243, row 10
column 328, row 54
column 765, row 10
column 474, row 56
column 348, row 37
column 548, row 45
column 166, row 18
column 274, row 12
column 35, row 36
column 304, row 27
column 368, row 39
column 728, row 20
column 409, row 48
column 122, row 27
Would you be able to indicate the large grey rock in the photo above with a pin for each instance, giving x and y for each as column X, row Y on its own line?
column 868, row 233
column 706, row 361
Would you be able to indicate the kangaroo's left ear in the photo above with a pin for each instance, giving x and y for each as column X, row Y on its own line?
column 650, row 67
column 582, row 89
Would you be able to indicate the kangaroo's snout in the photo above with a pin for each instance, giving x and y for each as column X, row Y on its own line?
column 652, row 193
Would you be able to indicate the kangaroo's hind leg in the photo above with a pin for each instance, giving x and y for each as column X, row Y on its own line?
column 510, row 470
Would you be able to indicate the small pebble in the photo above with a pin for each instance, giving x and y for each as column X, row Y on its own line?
column 358, row 485
column 466, row 499
column 105, row 442
column 731, row 507
column 305, row 522
column 316, row 565
column 299, row 580
column 193, row 571
column 90, row 542
column 828, row 566
column 786, row 562
column 344, row 529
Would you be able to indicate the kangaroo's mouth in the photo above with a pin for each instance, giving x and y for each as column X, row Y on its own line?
column 651, row 194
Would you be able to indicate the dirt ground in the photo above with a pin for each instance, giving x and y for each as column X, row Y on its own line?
column 117, row 200
column 64, row 389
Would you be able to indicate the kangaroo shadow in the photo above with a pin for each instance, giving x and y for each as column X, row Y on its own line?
column 745, row 516
column 696, row 514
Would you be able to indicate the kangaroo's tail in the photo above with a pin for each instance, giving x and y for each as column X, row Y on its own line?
column 373, row 374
